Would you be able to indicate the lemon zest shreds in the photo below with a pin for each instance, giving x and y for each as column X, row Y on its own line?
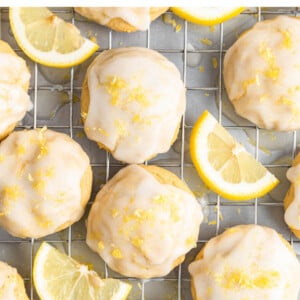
column 168, row 19
column 206, row 41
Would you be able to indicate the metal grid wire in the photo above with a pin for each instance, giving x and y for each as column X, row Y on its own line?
column 258, row 212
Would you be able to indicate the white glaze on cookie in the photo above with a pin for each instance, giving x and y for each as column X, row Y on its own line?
column 139, row 17
column 292, row 213
column 246, row 262
column 11, row 284
column 136, row 102
column 141, row 227
column 40, row 177
column 14, row 80
column 262, row 74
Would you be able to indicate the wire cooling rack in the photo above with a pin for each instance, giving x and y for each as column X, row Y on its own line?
column 198, row 53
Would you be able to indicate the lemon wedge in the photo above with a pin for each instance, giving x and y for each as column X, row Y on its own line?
column 47, row 39
column 224, row 165
column 207, row 15
column 58, row 276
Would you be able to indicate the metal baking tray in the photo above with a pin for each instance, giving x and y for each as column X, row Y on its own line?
column 198, row 53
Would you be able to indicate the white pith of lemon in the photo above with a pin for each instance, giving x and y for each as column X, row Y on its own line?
column 58, row 276
column 47, row 39
column 224, row 165
column 207, row 15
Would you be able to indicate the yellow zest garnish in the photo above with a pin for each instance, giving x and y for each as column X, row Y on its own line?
column 284, row 100
column 214, row 62
column 20, row 150
column 137, row 242
column 178, row 27
column 122, row 94
column 190, row 241
column 42, row 142
column 121, row 127
column 11, row 192
column 169, row 204
column 214, row 222
column 263, row 97
column 287, row 39
column 139, row 215
column 138, row 94
column 232, row 230
column 83, row 115
column 113, row 86
column 116, row 253
column 44, row 223
column 266, row 53
column 136, row 118
column 61, row 197
column 93, row 39
column 1, row 158
column 261, row 279
column 201, row 69
column 50, row 172
column 294, row 89
column 100, row 130
column 114, row 212
column 216, row 209
column 246, row 83
column 101, row 245
column 171, row 21
column 206, row 42
column 80, row 134
column 39, row 185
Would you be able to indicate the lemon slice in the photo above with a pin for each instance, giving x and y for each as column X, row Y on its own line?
column 58, row 276
column 207, row 15
column 47, row 39
column 224, row 165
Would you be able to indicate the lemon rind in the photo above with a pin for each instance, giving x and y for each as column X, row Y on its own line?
column 179, row 11
column 208, row 174
column 45, row 58
column 38, row 268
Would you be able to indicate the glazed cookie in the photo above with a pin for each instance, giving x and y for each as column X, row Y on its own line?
column 11, row 284
column 143, row 221
column 292, row 199
column 246, row 262
column 127, row 19
column 262, row 74
column 14, row 83
column 132, row 102
column 45, row 182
